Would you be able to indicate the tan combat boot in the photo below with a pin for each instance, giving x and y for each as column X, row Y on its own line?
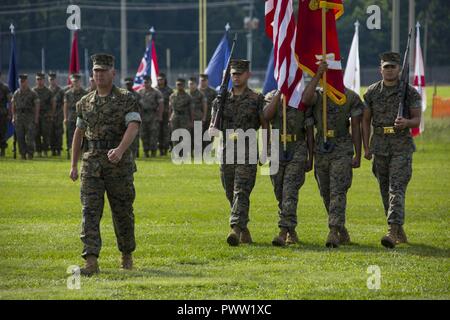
column 390, row 239
column 246, row 237
column 344, row 237
column 401, row 235
column 127, row 261
column 280, row 240
column 234, row 236
column 333, row 238
column 91, row 266
column 292, row 237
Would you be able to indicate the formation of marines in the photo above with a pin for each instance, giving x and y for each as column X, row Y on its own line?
column 104, row 124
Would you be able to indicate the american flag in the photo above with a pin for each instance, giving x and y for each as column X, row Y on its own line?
column 281, row 28
column 148, row 66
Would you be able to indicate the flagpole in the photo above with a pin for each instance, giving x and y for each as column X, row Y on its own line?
column 324, row 77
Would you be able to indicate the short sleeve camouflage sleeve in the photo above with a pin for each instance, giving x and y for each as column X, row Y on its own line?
column 81, row 123
column 356, row 105
column 131, row 110
column 414, row 100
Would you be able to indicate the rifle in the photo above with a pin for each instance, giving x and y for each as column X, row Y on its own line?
column 403, row 110
column 223, row 91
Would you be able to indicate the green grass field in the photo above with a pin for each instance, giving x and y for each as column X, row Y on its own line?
column 181, row 226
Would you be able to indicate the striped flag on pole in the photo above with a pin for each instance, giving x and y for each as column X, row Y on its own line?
column 281, row 28
column 148, row 66
column 419, row 82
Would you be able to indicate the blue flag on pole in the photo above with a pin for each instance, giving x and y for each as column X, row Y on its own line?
column 270, row 82
column 218, row 62
column 13, row 82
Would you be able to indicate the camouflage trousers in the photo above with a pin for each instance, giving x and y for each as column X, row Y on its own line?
column 164, row 132
column 43, row 133
column 149, row 135
column 70, row 130
column 3, row 127
column 238, row 181
column 393, row 174
column 25, row 132
column 57, row 131
column 120, row 192
column 287, row 183
column 333, row 173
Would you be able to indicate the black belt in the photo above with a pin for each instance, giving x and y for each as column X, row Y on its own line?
column 102, row 144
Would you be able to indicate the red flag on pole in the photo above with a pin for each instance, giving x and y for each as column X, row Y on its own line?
column 74, row 65
column 309, row 43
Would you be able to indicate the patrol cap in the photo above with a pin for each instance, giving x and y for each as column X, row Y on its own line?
column 239, row 65
column 102, row 61
column 40, row 75
column 181, row 81
column 390, row 58
column 204, row 76
column 146, row 77
column 193, row 79
column 23, row 76
column 75, row 76
column 52, row 75
column 128, row 80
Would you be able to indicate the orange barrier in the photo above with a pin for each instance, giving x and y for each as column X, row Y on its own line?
column 441, row 107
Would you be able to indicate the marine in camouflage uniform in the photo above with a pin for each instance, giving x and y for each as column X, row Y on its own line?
column 333, row 167
column 180, row 104
column 47, row 110
column 391, row 144
column 5, row 98
column 199, row 108
column 71, row 97
column 164, row 128
column 293, row 164
column 243, row 110
column 25, row 115
column 129, row 82
column 110, row 123
column 57, row 131
column 152, row 108
column 210, row 95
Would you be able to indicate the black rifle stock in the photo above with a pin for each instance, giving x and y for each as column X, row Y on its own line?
column 223, row 92
column 404, row 81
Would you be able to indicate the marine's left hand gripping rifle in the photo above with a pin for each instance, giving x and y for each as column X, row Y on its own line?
column 403, row 110
column 223, row 92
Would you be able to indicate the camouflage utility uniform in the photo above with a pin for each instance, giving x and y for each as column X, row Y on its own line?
column 333, row 171
column 44, row 128
column 25, row 102
column 105, row 120
column 5, row 96
column 150, row 99
column 291, row 173
column 392, row 149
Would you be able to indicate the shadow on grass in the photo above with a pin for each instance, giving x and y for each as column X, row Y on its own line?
column 419, row 249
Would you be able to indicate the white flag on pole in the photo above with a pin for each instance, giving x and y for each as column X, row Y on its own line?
column 352, row 78
column 419, row 81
